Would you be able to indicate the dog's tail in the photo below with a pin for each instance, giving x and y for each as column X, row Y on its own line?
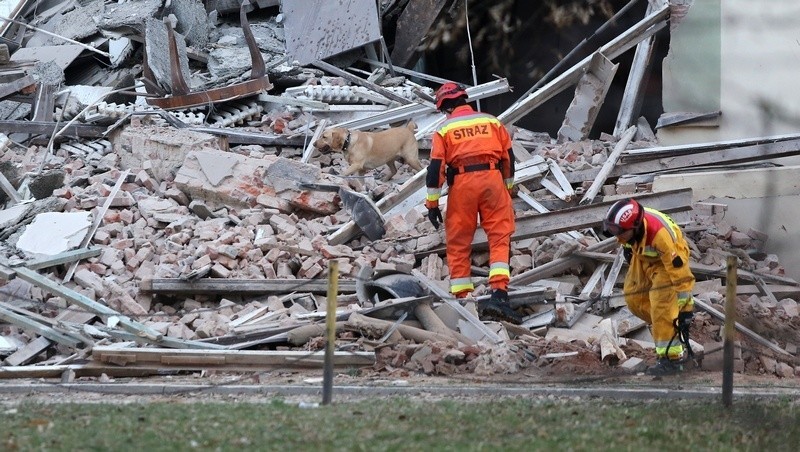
column 412, row 126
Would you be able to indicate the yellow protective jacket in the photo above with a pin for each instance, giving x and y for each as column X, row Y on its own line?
column 659, row 281
column 663, row 246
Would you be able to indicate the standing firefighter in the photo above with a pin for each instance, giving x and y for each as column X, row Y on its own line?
column 658, row 286
column 472, row 152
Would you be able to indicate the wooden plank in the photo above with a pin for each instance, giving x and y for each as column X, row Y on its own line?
column 639, row 32
column 707, row 270
column 744, row 154
column 43, row 330
column 608, row 165
column 201, row 359
column 210, row 286
column 98, row 220
column 559, row 265
column 9, row 189
column 741, row 328
column 588, row 216
column 361, row 82
column 141, row 332
column 63, row 258
column 451, row 301
column 81, row 370
column 321, row 125
column 6, row 273
column 12, row 87
column 633, row 94
column 28, row 352
column 48, row 128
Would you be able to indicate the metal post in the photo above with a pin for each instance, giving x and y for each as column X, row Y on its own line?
column 330, row 329
column 730, row 333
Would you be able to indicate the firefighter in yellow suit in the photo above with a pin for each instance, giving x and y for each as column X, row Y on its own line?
column 472, row 152
column 659, row 282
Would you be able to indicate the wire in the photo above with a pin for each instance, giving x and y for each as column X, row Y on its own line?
column 471, row 53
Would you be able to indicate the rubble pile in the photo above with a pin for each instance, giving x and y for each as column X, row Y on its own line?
column 160, row 229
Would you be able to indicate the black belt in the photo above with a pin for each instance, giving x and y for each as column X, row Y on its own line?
column 452, row 171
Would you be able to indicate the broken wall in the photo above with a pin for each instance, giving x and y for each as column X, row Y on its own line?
column 752, row 80
column 763, row 199
column 753, row 72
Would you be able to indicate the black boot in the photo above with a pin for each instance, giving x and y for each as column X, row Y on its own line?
column 664, row 367
column 497, row 308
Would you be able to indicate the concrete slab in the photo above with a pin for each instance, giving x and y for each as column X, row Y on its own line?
column 12, row 215
column 53, row 233
column 316, row 29
column 216, row 166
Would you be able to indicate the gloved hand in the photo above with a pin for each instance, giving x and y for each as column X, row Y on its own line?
column 685, row 319
column 627, row 253
column 435, row 215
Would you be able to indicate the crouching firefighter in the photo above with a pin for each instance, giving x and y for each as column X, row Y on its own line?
column 659, row 282
column 472, row 152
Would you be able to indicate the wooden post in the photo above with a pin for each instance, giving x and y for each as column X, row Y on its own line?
column 330, row 326
column 730, row 332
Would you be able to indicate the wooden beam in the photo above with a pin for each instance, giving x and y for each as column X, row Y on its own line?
column 9, row 189
column 639, row 32
column 12, row 87
column 588, row 216
column 608, row 165
column 744, row 154
column 633, row 94
column 559, row 265
column 741, row 328
column 708, row 270
column 58, row 259
column 451, row 301
column 28, row 352
column 48, row 128
column 212, row 286
column 227, row 359
column 98, row 220
column 142, row 332
column 361, row 82
column 30, row 325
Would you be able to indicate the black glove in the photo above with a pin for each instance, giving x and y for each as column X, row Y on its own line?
column 435, row 215
column 685, row 318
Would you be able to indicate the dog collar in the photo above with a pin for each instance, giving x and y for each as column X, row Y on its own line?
column 346, row 141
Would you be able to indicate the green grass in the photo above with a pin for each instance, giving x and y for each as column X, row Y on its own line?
column 399, row 424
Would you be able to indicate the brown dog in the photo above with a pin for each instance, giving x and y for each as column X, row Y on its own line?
column 368, row 150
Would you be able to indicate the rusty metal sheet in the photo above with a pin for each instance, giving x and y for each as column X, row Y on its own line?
column 317, row 29
column 211, row 96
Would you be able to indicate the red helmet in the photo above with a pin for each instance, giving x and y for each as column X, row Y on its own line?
column 449, row 90
column 624, row 215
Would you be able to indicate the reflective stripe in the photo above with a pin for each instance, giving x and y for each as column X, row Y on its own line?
column 461, row 121
column 649, row 251
column 685, row 300
column 433, row 194
column 509, row 183
column 674, row 351
column 460, row 284
column 499, row 269
column 664, row 221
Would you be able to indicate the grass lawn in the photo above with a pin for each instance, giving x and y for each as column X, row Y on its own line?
column 402, row 424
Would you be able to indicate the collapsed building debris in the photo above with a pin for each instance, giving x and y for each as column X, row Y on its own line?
column 192, row 232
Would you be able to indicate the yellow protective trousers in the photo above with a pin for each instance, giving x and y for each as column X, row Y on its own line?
column 478, row 194
column 651, row 296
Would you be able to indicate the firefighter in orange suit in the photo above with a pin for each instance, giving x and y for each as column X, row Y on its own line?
column 472, row 152
column 658, row 285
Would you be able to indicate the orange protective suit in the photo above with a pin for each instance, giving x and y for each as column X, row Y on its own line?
column 659, row 282
column 472, row 151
